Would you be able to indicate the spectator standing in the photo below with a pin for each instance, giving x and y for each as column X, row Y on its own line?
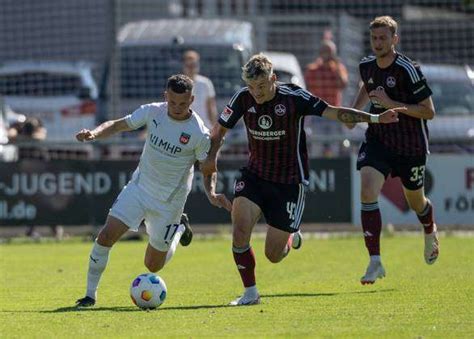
column 204, row 94
column 326, row 77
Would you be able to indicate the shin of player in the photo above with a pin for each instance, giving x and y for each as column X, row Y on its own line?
column 390, row 79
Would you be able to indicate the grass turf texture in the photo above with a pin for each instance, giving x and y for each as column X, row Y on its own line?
column 313, row 292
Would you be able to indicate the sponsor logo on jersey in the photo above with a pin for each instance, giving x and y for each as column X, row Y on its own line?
column 280, row 110
column 164, row 146
column 184, row 138
column 371, row 81
column 252, row 110
column 225, row 115
column 391, row 82
column 239, row 186
column 265, row 122
column 266, row 135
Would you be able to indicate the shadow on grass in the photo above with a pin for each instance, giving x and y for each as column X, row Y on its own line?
column 129, row 309
column 195, row 307
column 328, row 294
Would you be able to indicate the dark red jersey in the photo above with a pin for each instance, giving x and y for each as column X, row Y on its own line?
column 404, row 82
column 275, row 131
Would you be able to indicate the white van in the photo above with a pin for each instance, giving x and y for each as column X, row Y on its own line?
column 151, row 51
column 286, row 67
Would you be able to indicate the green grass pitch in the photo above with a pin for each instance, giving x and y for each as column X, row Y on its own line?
column 315, row 292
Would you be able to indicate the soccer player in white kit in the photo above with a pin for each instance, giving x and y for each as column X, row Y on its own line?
column 157, row 192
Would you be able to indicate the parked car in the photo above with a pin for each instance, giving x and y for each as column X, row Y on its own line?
column 286, row 67
column 452, row 129
column 151, row 51
column 62, row 95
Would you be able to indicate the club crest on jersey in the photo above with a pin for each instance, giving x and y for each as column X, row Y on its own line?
column 265, row 122
column 239, row 186
column 226, row 113
column 280, row 110
column 184, row 138
column 391, row 82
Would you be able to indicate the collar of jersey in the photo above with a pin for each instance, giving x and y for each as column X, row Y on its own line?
column 179, row 121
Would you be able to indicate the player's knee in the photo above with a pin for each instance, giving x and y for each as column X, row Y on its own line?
column 239, row 236
column 153, row 265
column 273, row 256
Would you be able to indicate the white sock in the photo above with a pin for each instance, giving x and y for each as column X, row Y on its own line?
column 97, row 263
column 174, row 243
column 251, row 291
column 375, row 258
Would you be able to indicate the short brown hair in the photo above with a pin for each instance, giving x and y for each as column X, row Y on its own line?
column 180, row 83
column 385, row 21
column 257, row 66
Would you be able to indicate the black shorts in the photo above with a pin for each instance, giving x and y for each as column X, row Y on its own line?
column 282, row 205
column 410, row 169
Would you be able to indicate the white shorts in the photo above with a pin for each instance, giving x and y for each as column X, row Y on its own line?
column 162, row 218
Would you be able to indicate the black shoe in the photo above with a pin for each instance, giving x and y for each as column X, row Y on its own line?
column 85, row 302
column 187, row 235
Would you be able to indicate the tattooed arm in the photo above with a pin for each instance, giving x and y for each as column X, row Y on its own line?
column 351, row 115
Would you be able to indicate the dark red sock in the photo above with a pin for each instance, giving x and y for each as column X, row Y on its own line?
column 372, row 226
column 426, row 218
column 245, row 261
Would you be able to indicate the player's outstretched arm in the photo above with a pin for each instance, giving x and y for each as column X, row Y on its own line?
column 103, row 131
column 218, row 200
column 351, row 115
column 209, row 165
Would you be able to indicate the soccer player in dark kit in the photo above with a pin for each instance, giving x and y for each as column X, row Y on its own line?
column 274, row 181
column 390, row 79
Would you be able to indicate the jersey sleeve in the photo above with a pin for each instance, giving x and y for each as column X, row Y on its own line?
column 139, row 117
column 232, row 112
column 416, row 83
column 310, row 104
column 203, row 147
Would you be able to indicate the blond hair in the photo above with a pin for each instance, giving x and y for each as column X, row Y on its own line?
column 258, row 65
column 385, row 21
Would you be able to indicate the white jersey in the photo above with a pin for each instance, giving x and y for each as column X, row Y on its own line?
column 165, row 170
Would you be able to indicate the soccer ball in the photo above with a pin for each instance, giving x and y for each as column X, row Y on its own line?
column 148, row 291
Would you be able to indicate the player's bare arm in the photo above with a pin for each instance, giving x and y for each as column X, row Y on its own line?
column 104, row 130
column 218, row 200
column 423, row 110
column 209, row 165
column 361, row 100
column 351, row 115
column 211, row 109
